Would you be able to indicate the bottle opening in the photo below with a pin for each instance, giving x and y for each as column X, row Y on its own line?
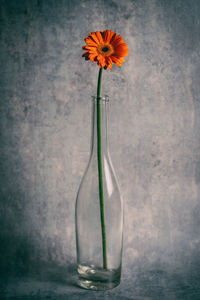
column 103, row 99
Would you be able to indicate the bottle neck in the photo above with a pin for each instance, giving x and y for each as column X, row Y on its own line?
column 103, row 108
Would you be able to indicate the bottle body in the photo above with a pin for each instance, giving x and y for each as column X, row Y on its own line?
column 99, row 228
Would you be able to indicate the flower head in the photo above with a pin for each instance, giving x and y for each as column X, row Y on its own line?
column 105, row 48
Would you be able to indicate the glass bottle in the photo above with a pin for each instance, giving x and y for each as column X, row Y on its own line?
column 99, row 226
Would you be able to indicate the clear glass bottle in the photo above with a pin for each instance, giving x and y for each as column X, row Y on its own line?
column 99, row 228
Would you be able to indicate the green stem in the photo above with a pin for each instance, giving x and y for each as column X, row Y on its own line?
column 101, row 197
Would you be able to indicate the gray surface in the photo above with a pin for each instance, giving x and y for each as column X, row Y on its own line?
column 154, row 143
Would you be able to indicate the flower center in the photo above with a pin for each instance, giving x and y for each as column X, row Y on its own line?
column 105, row 49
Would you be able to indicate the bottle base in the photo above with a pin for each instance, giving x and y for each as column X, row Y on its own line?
column 98, row 279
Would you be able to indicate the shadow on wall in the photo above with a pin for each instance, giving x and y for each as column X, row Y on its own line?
column 23, row 249
column 20, row 261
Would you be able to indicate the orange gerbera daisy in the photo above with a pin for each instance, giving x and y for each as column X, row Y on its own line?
column 105, row 48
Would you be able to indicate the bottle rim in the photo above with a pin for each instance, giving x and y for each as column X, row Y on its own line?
column 103, row 99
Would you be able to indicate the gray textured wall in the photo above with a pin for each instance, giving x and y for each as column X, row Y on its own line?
column 45, row 88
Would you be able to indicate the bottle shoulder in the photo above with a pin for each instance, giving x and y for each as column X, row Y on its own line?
column 90, row 180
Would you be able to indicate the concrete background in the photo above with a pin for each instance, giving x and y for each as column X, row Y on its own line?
column 45, row 111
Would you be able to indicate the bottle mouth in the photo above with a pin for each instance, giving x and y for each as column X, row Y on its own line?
column 103, row 99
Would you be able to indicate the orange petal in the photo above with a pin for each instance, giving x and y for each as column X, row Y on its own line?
column 121, row 53
column 101, row 61
column 88, row 48
column 93, row 57
column 117, row 40
column 109, row 62
column 94, row 37
column 107, row 35
column 120, row 59
column 121, row 50
column 113, row 37
column 89, row 41
column 86, row 56
column 116, row 61
column 99, row 36
column 122, row 46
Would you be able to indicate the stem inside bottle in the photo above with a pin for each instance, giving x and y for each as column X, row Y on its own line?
column 100, row 173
